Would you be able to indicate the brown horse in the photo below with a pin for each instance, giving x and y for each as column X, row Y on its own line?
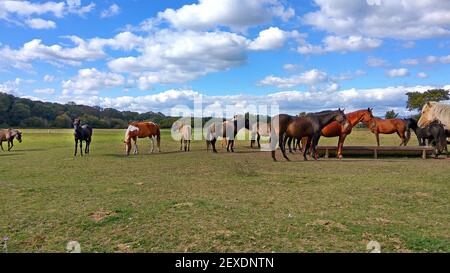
column 8, row 135
column 310, row 126
column 142, row 130
column 389, row 126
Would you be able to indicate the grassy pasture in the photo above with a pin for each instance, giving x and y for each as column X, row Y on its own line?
column 204, row 202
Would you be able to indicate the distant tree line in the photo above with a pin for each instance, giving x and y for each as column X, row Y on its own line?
column 25, row 113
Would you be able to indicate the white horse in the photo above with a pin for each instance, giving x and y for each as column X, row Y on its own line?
column 185, row 130
column 433, row 111
column 259, row 129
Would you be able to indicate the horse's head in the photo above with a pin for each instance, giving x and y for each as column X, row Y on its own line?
column 131, row 132
column 367, row 115
column 427, row 115
column 77, row 124
column 19, row 136
column 341, row 118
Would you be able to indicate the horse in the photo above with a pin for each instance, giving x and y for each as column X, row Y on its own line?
column 335, row 129
column 310, row 126
column 433, row 111
column 389, row 126
column 227, row 129
column 8, row 135
column 434, row 133
column 185, row 130
column 137, row 130
column 259, row 129
column 82, row 133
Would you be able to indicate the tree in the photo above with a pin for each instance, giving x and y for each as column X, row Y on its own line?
column 416, row 100
column 62, row 121
column 391, row 114
column 34, row 122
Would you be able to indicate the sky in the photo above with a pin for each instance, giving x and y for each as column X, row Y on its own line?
column 303, row 55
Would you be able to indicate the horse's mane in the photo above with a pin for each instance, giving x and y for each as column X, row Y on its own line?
column 442, row 112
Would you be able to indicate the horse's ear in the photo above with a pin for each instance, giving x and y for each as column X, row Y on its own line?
column 429, row 104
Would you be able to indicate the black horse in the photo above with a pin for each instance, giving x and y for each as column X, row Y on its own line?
column 433, row 134
column 310, row 126
column 82, row 133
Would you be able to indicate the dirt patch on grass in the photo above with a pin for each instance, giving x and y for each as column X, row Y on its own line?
column 328, row 225
column 101, row 214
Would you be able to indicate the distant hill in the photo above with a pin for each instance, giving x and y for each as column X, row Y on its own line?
column 26, row 113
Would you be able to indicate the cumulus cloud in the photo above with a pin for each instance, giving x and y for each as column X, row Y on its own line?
column 377, row 62
column 341, row 44
column 422, row 75
column 410, row 62
column 49, row 78
column 113, row 10
column 271, row 38
column 91, row 82
column 19, row 12
column 398, row 73
column 235, row 14
column 174, row 57
column 38, row 23
column 291, row 102
column 310, row 78
column 409, row 20
column 11, row 87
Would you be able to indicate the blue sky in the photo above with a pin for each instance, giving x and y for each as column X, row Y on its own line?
column 153, row 55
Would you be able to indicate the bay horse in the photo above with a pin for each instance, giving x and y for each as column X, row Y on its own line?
column 389, row 126
column 433, row 111
column 8, row 135
column 228, row 130
column 310, row 126
column 137, row 130
column 185, row 130
column 82, row 133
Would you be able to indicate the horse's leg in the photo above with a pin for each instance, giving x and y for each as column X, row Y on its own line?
column 306, row 148
column 283, row 146
column 289, row 143
column 402, row 137
column 213, row 143
column 377, row 135
column 341, row 146
column 76, row 147
column 181, row 144
column 1, row 145
column 314, row 146
column 232, row 146
column 10, row 143
column 259, row 141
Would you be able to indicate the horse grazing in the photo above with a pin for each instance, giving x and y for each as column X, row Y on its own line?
column 434, row 133
column 137, row 130
column 259, row 129
column 82, row 133
column 185, row 130
column 227, row 129
column 433, row 111
column 8, row 135
column 389, row 126
column 309, row 126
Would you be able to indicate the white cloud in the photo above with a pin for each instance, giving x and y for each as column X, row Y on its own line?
column 38, row 23
column 410, row 62
column 291, row 67
column 310, row 78
column 235, row 14
column 341, row 44
column 291, row 102
column 409, row 20
column 175, row 57
column 19, row 12
column 271, row 38
column 445, row 59
column 49, row 78
column 409, row 44
column 422, row 75
column 113, row 10
column 44, row 91
column 91, row 81
column 377, row 62
column 431, row 59
column 11, row 87
column 397, row 73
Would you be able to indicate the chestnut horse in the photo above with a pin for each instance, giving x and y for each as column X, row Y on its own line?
column 142, row 130
column 310, row 126
column 389, row 126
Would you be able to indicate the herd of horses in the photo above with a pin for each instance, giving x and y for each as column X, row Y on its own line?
column 303, row 131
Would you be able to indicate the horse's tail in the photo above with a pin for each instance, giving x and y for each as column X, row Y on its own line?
column 408, row 131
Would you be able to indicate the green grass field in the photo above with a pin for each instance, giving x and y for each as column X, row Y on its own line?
column 204, row 202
